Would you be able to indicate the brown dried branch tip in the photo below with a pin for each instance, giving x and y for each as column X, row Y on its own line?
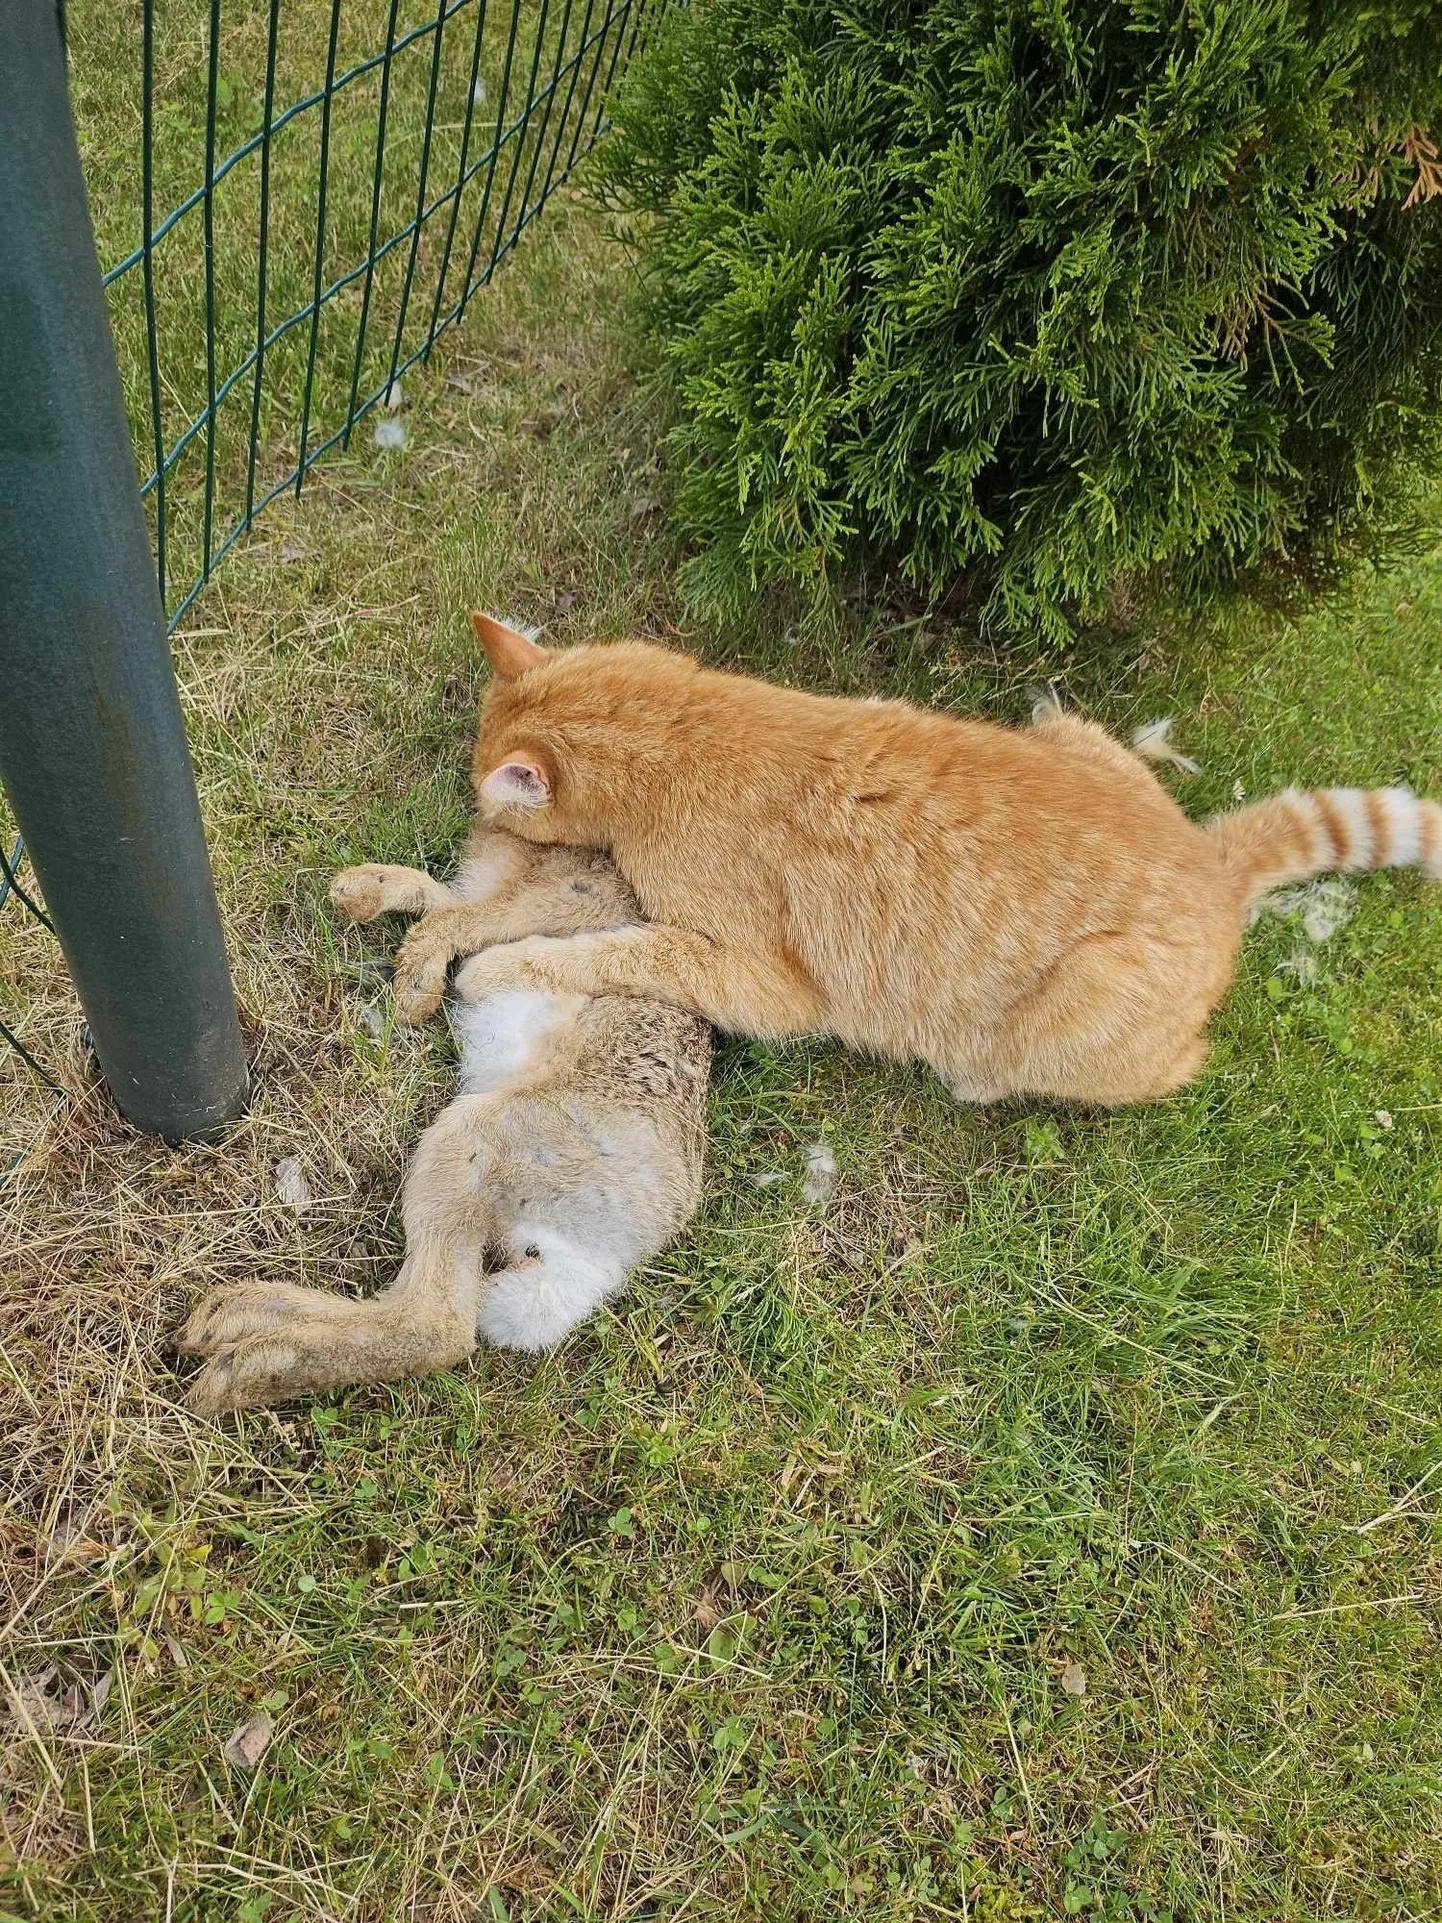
column 1420, row 149
column 1235, row 325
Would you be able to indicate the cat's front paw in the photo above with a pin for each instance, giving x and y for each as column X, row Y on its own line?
column 420, row 974
column 496, row 971
column 359, row 893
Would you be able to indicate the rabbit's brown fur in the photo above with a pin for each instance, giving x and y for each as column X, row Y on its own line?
column 573, row 1152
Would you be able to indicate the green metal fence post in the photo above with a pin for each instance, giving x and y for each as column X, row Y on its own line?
column 92, row 741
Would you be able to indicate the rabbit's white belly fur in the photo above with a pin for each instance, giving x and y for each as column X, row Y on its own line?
column 506, row 1037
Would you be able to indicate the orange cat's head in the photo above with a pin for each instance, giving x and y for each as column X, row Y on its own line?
column 568, row 739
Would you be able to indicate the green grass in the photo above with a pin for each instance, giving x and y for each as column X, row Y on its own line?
column 562, row 55
column 755, row 1601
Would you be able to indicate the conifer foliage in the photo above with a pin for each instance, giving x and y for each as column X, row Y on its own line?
column 1048, row 293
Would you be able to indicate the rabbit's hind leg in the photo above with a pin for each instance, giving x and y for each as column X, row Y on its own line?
column 271, row 1341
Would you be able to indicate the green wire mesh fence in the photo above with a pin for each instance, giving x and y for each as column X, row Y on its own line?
column 11, row 884
column 342, row 177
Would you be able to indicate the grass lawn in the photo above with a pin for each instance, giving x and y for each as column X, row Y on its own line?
column 1042, row 1523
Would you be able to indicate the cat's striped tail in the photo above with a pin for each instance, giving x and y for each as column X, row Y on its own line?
column 1295, row 835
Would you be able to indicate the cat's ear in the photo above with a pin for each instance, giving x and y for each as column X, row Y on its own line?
column 509, row 652
column 517, row 784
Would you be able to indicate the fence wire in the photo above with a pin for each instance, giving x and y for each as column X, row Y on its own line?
column 342, row 177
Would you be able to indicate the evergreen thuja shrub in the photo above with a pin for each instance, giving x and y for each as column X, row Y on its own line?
column 1055, row 292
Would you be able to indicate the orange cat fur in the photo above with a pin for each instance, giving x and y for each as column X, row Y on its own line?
column 1027, row 910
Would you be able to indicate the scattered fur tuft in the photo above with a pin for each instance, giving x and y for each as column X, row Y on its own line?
column 1153, row 741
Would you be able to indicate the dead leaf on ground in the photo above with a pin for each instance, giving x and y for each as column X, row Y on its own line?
column 36, row 1700
column 45, row 1703
column 249, row 1743
column 469, row 380
column 1074, row 1679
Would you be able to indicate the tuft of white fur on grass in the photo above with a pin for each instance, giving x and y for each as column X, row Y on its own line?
column 1325, row 906
column 390, row 433
column 1153, row 741
column 1303, row 963
column 820, row 1179
column 291, row 1185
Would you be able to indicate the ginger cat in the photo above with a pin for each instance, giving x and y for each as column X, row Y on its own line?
column 572, row 1152
column 1027, row 910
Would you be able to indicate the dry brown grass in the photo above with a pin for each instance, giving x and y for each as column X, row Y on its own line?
column 330, row 682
